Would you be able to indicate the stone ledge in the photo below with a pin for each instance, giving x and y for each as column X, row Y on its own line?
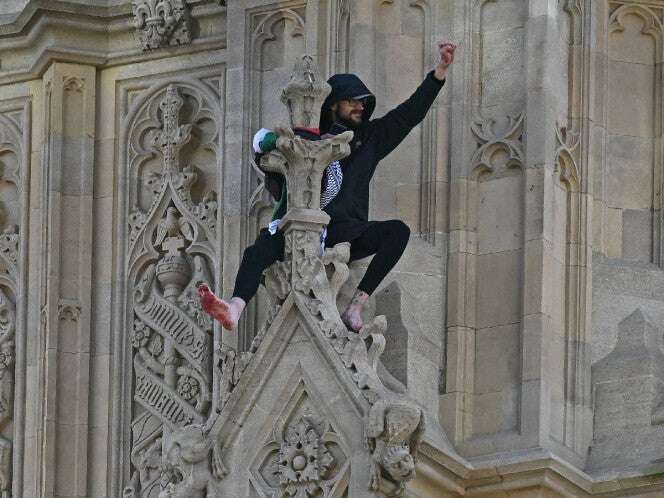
column 42, row 33
column 14, row 24
column 536, row 469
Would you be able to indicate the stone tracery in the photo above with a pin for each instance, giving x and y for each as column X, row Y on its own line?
column 10, row 174
column 170, row 241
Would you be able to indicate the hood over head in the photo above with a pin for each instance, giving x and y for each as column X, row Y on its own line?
column 346, row 86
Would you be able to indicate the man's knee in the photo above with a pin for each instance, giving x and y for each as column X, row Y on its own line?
column 264, row 252
column 399, row 231
column 251, row 255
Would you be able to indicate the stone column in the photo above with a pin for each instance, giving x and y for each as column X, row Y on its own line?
column 66, row 282
column 517, row 358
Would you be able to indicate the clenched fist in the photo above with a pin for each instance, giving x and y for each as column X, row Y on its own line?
column 446, row 50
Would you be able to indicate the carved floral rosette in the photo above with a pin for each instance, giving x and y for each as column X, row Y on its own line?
column 172, row 237
column 305, row 456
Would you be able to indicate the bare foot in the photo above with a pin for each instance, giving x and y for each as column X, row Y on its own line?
column 352, row 317
column 352, row 320
column 227, row 313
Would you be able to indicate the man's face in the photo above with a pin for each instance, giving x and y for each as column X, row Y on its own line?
column 348, row 112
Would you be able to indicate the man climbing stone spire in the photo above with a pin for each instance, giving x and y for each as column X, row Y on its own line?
column 349, row 106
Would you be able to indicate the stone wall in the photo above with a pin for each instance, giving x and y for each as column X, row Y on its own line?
column 524, row 318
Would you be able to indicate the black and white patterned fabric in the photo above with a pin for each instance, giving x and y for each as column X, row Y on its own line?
column 334, row 177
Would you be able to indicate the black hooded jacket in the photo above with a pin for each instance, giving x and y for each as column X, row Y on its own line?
column 373, row 140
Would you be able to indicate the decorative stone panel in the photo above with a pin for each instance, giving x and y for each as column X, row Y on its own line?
column 171, row 249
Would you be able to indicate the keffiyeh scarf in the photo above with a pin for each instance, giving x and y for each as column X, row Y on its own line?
column 334, row 176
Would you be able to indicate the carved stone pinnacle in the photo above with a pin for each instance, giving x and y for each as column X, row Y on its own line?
column 173, row 136
column 305, row 93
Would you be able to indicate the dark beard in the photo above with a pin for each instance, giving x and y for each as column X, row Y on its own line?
column 345, row 122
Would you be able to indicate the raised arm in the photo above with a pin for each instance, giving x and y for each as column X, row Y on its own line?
column 390, row 130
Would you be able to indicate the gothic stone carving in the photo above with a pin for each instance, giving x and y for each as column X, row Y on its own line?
column 566, row 154
column 69, row 310
column 160, row 23
column 303, row 162
column 191, row 464
column 305, row 93
column 7, row 356
column 304, row 458
column 394, row 430
column 171, row 241
column 8, row 241
column 499, row 134
column 11, row 157
column 394, row 424
column 231, row 364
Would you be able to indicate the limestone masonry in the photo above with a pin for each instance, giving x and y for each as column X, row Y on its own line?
column 517, row 349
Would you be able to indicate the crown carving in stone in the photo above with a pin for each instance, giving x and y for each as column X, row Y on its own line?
column 161, row 23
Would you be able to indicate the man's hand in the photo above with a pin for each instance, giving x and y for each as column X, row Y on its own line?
column 446, row 49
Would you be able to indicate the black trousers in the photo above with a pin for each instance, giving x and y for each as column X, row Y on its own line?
column 386, row 239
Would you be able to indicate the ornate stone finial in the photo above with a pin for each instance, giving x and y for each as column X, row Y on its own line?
column 303, row 162
column 161, row 22
column 172, row 136
column 305, row 93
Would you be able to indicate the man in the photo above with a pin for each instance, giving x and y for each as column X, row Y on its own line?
column 269, row 245
column 349, row 107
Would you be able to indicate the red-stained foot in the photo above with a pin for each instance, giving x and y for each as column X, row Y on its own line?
column 219, row 309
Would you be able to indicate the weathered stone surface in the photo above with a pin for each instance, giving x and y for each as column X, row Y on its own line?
column 160, row 23
column 627, row 402
column 532, row 190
